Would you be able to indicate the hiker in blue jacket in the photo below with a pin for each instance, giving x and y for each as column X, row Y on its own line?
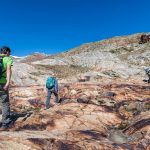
column 52, row 87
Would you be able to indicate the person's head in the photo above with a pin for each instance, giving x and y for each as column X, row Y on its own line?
column 147, row 70
column 5, row 50
column 51, row 75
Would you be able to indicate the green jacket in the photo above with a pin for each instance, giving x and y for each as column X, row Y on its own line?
column 6, row 61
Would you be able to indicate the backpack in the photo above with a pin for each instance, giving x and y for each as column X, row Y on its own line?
column 50, row 83
column 1, row 65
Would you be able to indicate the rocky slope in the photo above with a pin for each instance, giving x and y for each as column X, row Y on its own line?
column 104, row 102
column 120, row 57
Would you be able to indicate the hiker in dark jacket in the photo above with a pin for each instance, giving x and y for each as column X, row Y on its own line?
column 52, row 87
column 147, row 71
column 4, row 87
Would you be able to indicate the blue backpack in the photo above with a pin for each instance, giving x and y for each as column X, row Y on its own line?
column 50, row 83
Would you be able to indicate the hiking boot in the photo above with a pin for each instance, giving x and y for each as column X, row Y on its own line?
column 57, row 104
column 4, row 128
column 45, row 108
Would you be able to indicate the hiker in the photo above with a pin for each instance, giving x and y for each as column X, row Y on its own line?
column 147, row 71
column 5, row 76
column 52, row 87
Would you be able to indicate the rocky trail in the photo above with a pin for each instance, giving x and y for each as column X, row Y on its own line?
column 91, row 116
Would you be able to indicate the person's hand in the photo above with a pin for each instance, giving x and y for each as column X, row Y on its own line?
column 6, row 86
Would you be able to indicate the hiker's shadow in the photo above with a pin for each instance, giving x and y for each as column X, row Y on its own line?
column 14, row 116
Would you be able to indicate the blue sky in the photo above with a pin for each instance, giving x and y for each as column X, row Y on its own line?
column 53, row 26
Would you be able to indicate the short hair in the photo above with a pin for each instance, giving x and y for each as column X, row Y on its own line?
column 5, row 49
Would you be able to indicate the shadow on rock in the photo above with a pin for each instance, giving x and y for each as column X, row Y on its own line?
column 54, row 144
column 94, row 134
column 136, row 126
column 15, row 116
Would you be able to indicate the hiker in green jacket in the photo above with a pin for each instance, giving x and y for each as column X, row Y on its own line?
column 5, row 78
